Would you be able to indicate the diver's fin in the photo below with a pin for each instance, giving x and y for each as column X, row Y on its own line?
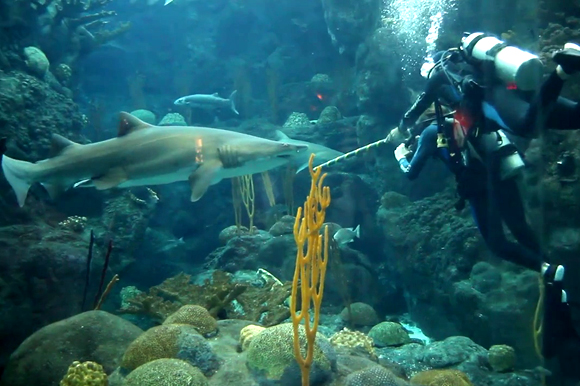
column 111, row 179
column 129, row 123
column 201, row 179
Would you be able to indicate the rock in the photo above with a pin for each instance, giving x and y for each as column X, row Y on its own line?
column 379, row 76
column 389, row 334
column 350, row 22
column 330, row 114
column 43, row 269
column 172, row 372
column 36, row 61
column 459, row 353
column 270, row 357
column 361, row 314
column 284, row 226
column 145, row 115
column 240, row 251
column 502, row 358
column 44, row 357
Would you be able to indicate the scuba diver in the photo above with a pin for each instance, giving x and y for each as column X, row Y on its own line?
column 473, row 144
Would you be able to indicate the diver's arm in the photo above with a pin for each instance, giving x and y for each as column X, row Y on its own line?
column 424, row 100
column 426, row 147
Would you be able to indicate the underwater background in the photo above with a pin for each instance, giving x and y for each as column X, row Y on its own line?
column 144, row 287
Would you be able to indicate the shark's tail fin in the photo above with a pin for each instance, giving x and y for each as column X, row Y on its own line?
column 19, row 176
column 232, row 100
column 357, row 231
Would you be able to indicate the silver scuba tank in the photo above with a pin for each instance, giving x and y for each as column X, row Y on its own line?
column 512, row 65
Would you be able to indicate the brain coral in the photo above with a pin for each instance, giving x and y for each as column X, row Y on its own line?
column 179, row 341
column 271, row 355
column 194, row 315
column 373, row 376
column 166, row 372
column 441, row 377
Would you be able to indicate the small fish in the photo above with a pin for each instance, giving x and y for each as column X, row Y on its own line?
column 172, row 244
column 208, row 102
column 347, row 235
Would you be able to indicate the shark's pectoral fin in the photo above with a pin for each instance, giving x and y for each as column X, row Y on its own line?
column 202, row 178
column 114, row 177
column 54, row 190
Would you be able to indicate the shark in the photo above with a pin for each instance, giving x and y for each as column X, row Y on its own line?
column 300, row 160
column 208, row 101
column 143, row 154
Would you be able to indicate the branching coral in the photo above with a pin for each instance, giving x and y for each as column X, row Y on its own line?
column 220, row 296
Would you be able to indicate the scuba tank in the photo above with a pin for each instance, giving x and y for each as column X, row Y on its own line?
column 512, row 65
column 495, row 147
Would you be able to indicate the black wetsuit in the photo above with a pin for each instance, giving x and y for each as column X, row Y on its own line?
column 560, row 339
column 492, row 200
column 525, row 115
column 492, row 203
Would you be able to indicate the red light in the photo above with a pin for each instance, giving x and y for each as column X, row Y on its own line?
column 320, row 96
column 512, row 86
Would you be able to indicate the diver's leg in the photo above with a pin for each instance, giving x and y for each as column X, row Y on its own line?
column 509, row 201
column 488, row 218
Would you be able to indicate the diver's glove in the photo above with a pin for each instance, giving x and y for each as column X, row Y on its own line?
column 401, row 152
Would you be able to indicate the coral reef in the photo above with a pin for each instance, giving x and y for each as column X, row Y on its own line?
column 220, row 295
column 195, row 316
column 178, row 341
column 172, row 372
column 441, row 378
column 353, row 340
column 64, row 30
column 271, row 355
column 85, row 374
column 247, row 334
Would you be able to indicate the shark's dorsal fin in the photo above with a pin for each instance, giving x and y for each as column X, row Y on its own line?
column 58, row 144
column 129, row 123
column 280, row 136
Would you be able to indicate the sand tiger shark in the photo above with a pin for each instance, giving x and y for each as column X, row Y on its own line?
column 144, row 154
